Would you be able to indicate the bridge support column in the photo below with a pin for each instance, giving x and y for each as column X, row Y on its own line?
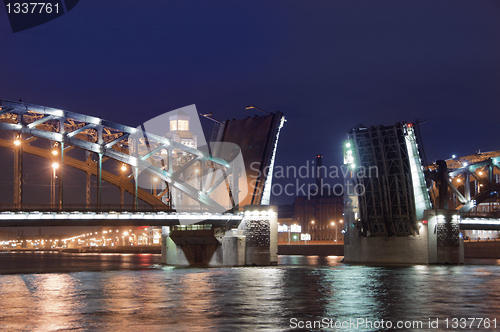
column 253, row 242
column 437, row 242
column 467, row 186
column 99, row 180
column 136, row 188
column 18, row 172
column 61, row 167
column 260, row 227
column 122, row 198
column 87, row 190
column 445, row 243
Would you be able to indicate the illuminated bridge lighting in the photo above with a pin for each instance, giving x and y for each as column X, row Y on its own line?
column 114, row 218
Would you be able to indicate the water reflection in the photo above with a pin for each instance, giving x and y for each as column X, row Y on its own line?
column 38, row 302
column 247, row 299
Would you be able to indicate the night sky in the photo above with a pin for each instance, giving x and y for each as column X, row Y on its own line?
column 327, row 65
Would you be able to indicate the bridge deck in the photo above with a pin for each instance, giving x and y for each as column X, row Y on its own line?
column 480, row 223
column 111, row 218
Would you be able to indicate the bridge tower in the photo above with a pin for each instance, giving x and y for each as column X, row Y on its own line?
column 387, row 212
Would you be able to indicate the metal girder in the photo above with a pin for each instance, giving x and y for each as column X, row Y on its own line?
column 387, row 208
column 493, row 189
column 461, row 197
column 473, row 167
column 101, row 136
column 489, row 187
column 92, row 170
column 478, row 179
column 4, row 110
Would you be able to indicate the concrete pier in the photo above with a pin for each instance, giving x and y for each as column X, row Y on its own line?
column 438, row 242
column 254, row 242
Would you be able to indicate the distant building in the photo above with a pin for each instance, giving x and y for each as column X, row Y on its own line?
column 320, row 216
column 6, row 237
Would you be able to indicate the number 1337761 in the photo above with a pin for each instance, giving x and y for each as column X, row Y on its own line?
column 32, row 8
column 470, row 323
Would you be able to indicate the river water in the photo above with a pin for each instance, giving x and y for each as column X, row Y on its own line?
column 116, row 292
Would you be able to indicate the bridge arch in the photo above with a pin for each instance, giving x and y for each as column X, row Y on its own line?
column 131, row 146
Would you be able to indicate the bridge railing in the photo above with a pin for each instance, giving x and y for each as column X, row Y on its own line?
column 79, row 208
column 477, row 214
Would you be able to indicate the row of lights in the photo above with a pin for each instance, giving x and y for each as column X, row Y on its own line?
column 332, row 223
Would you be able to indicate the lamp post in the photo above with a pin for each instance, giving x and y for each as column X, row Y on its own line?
column 55, row 166
column 312, row 222
column 123, row 169
column 153, row 189
column 342, row 223
column 333, row 224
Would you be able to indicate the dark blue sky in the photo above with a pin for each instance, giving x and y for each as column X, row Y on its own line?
column 327, row 65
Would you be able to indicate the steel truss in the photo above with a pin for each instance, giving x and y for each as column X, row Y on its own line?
column 387, row 207
column 478, row 169
column 107, row 139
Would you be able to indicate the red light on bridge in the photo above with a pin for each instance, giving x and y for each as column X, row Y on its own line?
column 424, row 222
column 409, row 125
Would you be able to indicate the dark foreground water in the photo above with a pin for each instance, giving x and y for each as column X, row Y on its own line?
column 114, row 292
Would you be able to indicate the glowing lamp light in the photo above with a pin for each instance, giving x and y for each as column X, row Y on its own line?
column 54, row 152
column 353, row 165
column 123, row 168
column 454, row 156
column 464, row 164
column 17, row 142
column 55, row 166
column 348, row 145
column 409, row 125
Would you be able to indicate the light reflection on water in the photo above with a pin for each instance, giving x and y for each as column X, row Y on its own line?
column 242, row 299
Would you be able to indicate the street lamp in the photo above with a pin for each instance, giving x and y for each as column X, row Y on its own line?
column 252, row 106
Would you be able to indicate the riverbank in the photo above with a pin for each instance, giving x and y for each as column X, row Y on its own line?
column 107, row 250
